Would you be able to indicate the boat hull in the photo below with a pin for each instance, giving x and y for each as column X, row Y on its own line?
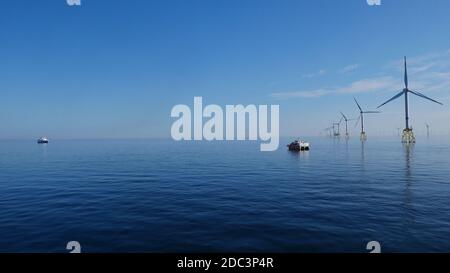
column 42, row 141
column 297, row 147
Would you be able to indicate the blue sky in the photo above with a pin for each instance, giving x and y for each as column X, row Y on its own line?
column 114, row 69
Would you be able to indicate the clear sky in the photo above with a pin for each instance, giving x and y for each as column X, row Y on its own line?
column 114, row 69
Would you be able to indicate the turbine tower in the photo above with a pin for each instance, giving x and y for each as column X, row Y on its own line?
column 428, row 130
column 338, row 125
column 363, row 136
column 408, row 135
column 329, row 132
column 346, row 124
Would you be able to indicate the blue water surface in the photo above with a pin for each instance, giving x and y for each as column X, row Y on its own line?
column 166, row 196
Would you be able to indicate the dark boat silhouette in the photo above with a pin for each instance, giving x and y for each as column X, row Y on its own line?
column 42, row 140
column 297, row 146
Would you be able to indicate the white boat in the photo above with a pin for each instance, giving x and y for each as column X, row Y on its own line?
column 298, row 146
column 42, row 140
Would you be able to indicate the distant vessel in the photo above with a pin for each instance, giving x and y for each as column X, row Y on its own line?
column 298, row 146
column 42, row 140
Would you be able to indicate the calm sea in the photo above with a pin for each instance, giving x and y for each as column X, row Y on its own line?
column 162, row 196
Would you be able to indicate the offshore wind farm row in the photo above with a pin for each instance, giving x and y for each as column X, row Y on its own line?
column 407, row 135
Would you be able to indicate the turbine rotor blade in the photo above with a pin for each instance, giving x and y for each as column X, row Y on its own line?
column 344, row 116
column 357, row 121
column 393, row 98
column 372, row 112
column 359, row 106
column 406, row 75
column 425, row 97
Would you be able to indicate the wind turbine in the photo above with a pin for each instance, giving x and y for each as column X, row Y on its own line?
column 328, row 130
column 408, row 136
column 346, row 124
column 338, row 125
column 363, row 136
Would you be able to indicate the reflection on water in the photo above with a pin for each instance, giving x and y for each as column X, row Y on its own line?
column 363, row 155
column 299, row 155
column 408, row 149
column 43, row 149
column 304, row 155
